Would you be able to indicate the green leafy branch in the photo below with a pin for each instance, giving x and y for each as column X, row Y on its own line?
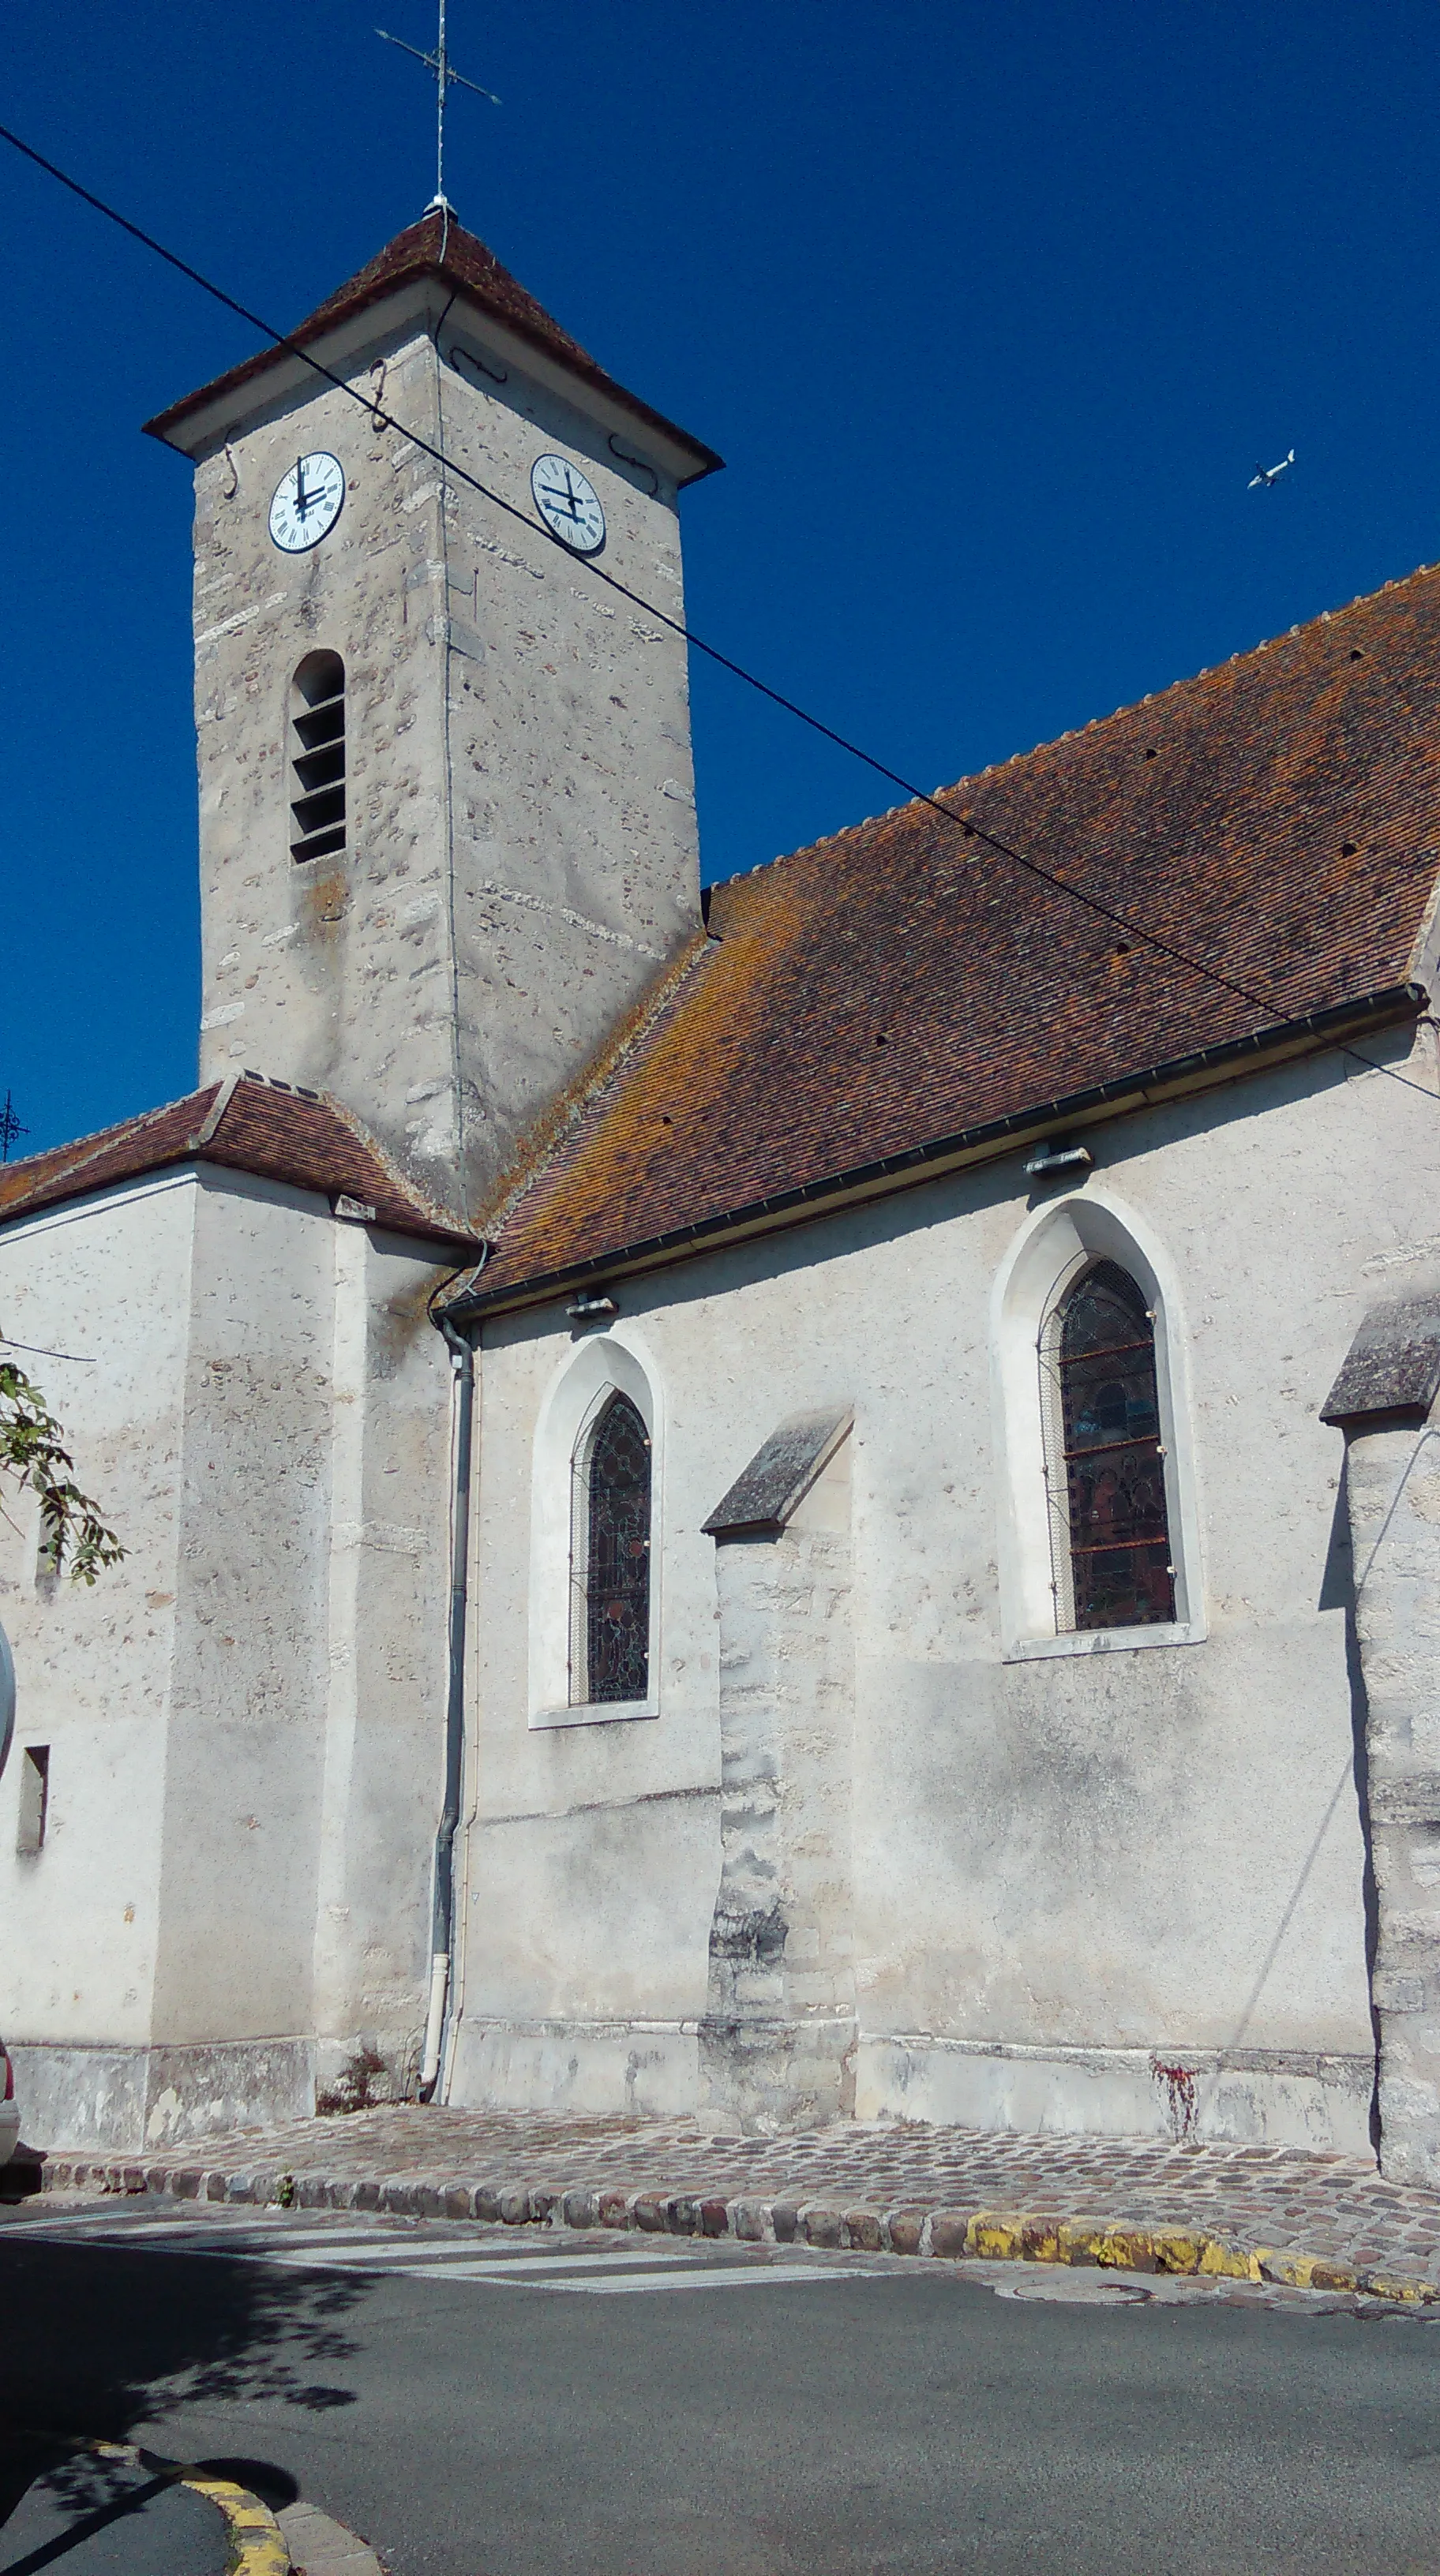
column 33, row 1454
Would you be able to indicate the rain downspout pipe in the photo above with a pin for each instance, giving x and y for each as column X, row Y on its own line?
column 442, row 1938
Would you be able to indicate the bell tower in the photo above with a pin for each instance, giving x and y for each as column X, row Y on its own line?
column 447, row 817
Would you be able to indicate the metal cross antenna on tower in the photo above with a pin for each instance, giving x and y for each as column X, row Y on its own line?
column 439, row 63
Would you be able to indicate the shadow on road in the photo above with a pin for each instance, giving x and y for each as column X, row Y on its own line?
column 99, row 2340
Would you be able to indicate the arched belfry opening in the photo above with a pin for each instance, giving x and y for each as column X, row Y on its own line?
column 317, row 757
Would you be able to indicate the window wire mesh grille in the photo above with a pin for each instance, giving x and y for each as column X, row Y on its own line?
column 610, row 1559
column 1057, row 1503
column 1110, row 1459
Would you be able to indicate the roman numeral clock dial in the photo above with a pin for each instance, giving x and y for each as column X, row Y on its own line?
column 307, row 502
column 568, row 504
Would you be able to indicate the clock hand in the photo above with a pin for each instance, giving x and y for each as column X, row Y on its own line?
column 566, row 500
column 302, row 502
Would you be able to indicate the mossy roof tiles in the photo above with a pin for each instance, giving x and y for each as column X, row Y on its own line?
column 1277, row 820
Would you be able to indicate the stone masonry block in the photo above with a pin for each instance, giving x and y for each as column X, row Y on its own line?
column 822, row 2226
column 949, row 2231
column 748, row 2221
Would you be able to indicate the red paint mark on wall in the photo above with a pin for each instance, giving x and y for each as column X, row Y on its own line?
column 1180, row 2103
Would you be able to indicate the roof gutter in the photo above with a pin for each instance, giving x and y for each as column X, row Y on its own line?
column 996, row 1137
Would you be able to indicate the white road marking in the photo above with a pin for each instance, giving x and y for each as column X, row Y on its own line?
column 713, row 2276
column 432, row 2254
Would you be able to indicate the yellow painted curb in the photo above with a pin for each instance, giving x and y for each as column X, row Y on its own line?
column 257, row 2543
column 1008, row 2236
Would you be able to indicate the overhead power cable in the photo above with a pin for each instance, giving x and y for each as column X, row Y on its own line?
column 965, row 823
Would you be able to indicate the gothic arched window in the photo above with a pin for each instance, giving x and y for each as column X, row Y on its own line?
column 1105, row 1456
column 317, row 757
column 610, row 1559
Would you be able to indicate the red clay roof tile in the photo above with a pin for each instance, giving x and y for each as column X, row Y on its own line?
column 262, row 1128
column 1277, row 819
column 467, row 264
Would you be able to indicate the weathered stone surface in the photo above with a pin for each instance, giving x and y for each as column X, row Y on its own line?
column 949, row 2231
column 821, row 2226
column 749, row 2220
column 1392, row 1490
column 778, row 2039
column 864, row 2227
column 766, row 1495
column 1392, row 1365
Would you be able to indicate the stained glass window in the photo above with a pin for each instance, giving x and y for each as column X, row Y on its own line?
column 1116, row 1530
column 612, row 1545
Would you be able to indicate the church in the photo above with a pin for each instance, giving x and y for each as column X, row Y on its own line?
column 814, row 1502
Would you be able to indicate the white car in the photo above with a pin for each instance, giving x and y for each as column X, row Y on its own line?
column 9, row 2107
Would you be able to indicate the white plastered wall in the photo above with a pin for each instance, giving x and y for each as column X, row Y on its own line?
column 1071, row 1868
column 246, row 1717
column 108, row 1286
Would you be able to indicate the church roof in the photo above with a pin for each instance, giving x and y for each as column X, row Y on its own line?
column 247, row 1124
column 460, row 260
column 901, row 994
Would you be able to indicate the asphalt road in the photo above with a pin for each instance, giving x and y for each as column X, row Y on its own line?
column 475, row 2418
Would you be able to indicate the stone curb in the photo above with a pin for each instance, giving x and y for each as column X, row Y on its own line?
column 908, row 2228
column 257, row 2545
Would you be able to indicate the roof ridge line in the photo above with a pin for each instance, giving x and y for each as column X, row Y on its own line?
column 450, row 1221
column 216, row 1111
column 1073, row 733
column 1188, row 680
column 104, row 1136
column 546, row 1136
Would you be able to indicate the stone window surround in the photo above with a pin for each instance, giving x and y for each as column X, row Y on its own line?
column 1058, row 1241
column 589, row 1373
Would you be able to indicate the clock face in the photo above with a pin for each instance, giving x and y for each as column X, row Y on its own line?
column 569, row 506
column 308, row 501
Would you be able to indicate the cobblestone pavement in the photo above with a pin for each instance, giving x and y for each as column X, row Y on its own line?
column 1262, row 2210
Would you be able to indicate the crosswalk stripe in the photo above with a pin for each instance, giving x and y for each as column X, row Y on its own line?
column 750, row 2276
column 624, row 2272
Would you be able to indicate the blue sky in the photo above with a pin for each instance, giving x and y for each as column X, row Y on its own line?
column 991, row 312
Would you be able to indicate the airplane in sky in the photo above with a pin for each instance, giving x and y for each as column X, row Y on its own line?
column 1265, row 475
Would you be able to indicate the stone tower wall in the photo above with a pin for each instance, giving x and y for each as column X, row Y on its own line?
column 521, row 857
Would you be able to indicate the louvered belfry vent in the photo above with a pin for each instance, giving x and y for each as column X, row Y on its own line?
column 317, row 757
